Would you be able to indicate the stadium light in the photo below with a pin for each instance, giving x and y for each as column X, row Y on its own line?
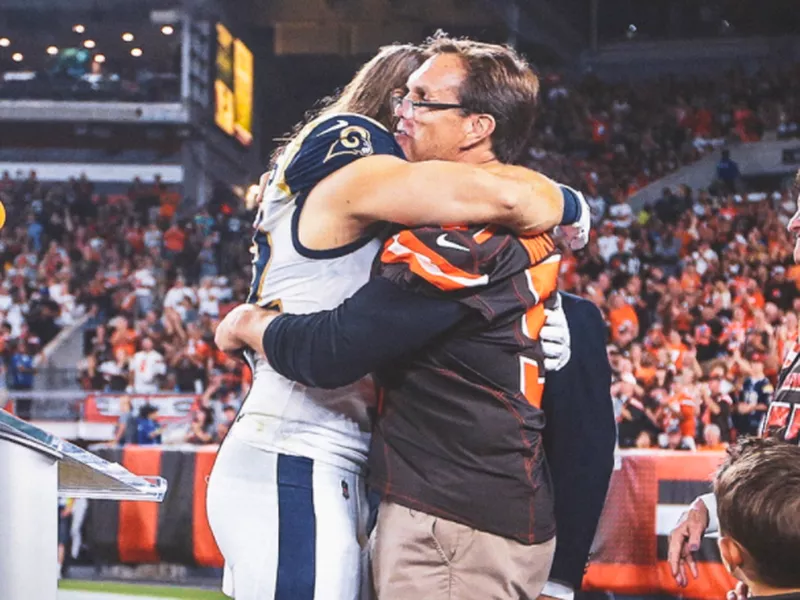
column 100, row 58
column 78, row 28
column 136, row 52
column 5, row 42
column 167, row 30
column 52, row 50
column 127, row 37
column 17, row 57
column 89, row 44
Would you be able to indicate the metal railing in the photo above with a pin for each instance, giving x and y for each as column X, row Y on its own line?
column 36, row 405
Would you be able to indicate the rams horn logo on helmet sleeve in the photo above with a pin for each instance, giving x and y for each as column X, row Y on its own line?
column 352, row 140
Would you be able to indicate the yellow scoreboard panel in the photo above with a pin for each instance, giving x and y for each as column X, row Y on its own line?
column 233, row 87
column 243, row 91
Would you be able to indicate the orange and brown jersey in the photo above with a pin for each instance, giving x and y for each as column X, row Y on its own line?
column 459, row 424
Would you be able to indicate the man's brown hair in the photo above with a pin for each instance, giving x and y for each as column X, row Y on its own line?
column 758, row 503
column 498, row 82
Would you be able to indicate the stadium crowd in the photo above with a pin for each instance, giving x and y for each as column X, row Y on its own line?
column 614, row 139
column 122, row 260
column 701, row 297
column 698, row 290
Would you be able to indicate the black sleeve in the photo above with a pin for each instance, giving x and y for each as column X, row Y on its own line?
column 579, row 439
column 380, row 323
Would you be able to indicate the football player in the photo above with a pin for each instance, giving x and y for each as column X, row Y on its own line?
column 286, row 498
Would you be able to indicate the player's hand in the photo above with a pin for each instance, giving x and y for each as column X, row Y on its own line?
column 740, row 592
column 577, row 234
column 684, row 539
column 227, row 336
column 243, row 327
column 554, row 337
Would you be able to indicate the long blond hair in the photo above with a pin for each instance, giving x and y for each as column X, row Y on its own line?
column 368, row 92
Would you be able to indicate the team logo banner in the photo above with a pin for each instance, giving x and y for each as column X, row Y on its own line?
column 106, row 408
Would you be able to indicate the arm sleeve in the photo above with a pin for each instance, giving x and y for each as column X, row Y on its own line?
column 710, row 500
column 380, row 323
column 577, row 404
column 572, row 206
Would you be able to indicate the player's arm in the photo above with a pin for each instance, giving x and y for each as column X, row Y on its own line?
column 355, row 166
column 427, row 282
column 380, row 324
column 388, row 188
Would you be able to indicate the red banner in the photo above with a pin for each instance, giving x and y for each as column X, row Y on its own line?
column 648, row 492
column 105, row 408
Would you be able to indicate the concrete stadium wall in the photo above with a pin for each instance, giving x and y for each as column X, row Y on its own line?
column 758, row 158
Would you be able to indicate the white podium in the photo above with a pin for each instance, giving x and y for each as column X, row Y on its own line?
column 35, row 469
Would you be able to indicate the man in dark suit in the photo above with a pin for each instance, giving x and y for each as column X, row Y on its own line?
column 580, row 434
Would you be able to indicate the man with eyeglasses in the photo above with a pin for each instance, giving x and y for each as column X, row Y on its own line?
column 450, row 324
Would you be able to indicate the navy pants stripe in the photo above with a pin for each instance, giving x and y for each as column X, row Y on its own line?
column 297, row 534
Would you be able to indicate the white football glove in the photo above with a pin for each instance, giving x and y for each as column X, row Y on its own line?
column 555, row 337
column 577, row 234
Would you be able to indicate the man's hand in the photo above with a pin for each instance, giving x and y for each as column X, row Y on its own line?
column 740, row 592
column 554, row 336
column 577, row 234
column 243, row 327
column 685, row 539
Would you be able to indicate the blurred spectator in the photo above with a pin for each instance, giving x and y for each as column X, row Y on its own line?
column 728, row 175
column 146, row 367
column 754, row 398
column 717, row 408
column 675, row 440
column 712, row 439
column 228, row 417
column 201, row 429
column 21, row 371
column 64, row 525
column 148, row 430
column 126, row 429
column 114, row 373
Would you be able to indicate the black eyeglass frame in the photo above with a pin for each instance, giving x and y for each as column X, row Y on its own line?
column 397, row 101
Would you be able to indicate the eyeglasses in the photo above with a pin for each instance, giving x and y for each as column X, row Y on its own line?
column 404, row 106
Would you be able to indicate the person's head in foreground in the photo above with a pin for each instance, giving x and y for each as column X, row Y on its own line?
column 758, row 504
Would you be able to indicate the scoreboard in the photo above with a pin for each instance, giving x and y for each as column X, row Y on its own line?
column 233, row 87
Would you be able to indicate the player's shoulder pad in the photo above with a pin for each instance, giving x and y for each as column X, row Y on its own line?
column 332, row 142
column 458, row 258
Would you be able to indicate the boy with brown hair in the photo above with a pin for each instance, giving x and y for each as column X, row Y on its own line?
column 758, row 504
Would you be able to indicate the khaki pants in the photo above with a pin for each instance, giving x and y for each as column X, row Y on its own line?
column 416, row 556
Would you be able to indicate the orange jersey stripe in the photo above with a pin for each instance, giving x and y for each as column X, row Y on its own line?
column 539, row 247
column 485, row 234
column 543, row 278
column 426, row 263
